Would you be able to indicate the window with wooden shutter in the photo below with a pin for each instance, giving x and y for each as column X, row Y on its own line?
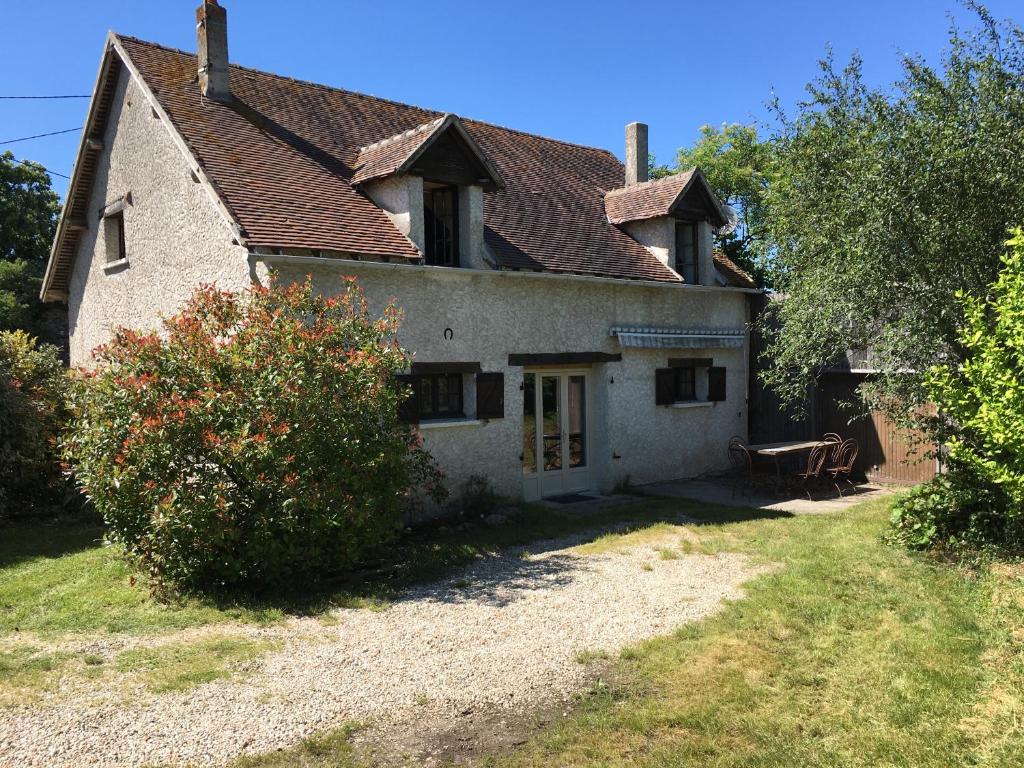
column 664, row 386
column 490, row 395
column 716, row 383
column 408, row 408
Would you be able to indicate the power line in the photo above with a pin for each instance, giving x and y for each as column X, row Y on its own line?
column 30, row 162
column 41, row 135
column 46, row 97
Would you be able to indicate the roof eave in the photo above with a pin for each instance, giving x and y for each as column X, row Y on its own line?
column 46, row 292
column 452, row 121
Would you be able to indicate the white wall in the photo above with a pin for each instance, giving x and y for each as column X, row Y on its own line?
column 493, row 314
column 175, row 237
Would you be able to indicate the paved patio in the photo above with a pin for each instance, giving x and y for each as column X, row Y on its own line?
column 720, row 491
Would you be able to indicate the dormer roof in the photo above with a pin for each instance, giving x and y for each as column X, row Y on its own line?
column 686, row 195
column 410, row 152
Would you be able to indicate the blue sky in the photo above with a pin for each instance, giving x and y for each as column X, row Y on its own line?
column 577, row 71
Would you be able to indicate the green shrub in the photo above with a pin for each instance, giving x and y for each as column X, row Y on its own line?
column 956, row 510
column 33, row 388
column 980, row 406
column 254, row 441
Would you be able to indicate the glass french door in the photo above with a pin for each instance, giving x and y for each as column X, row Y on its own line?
column 556, row 433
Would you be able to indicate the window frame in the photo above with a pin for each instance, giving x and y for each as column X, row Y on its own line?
column 115, row 219
column 451, row 257
column 453, row 385
column 687, row 270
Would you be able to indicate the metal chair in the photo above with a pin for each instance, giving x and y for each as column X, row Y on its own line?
column 841, row 467
column 812, row 470
column 742, row 467
column 834, row 441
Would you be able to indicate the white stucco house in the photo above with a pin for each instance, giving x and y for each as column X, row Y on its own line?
column 571, row 325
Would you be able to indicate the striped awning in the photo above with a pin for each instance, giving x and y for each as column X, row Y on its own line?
column 678, row 338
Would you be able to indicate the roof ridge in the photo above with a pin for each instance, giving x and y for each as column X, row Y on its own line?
column 336, row 89
column 422, row 128
column 651, row 182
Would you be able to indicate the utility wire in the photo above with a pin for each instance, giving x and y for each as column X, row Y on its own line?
column 44, row 97
column 31, row 162
column 41, row 135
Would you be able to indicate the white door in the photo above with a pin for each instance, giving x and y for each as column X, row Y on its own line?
column 556, row 433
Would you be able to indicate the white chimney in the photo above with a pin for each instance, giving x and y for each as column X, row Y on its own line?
column 212, row 50
column 636, row 153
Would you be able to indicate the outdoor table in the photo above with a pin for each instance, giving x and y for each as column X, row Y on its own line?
column 776, row 450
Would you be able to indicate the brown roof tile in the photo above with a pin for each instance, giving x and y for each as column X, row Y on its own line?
column 284, row 155
column 385, row 157
column 732, row 272
column 647, row 200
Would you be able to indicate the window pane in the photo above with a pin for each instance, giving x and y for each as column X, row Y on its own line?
column 426, row 396
column 529, row 423
column 552, row 422
column 686, row 252
column 577, row 421
column 441, row 224
column 455, row 394
column 686, row 384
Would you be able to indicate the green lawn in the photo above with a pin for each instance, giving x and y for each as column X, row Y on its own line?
column 852, row 653
column 58, row 581
column 848, row 653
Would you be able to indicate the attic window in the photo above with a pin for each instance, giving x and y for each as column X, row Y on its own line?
column 441, row 224
column 686, row 252
column 113, row 237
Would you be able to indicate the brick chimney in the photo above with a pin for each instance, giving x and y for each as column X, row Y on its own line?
column 636, row 153
column 212, row 50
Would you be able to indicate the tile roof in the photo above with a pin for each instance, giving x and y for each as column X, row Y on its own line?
column 397, row 154
column 285, row 155
column 732, row 272
column 652, row 199
column 385, row 157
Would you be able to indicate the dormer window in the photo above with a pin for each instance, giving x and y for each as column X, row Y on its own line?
column 441, row 224
column 687, row 252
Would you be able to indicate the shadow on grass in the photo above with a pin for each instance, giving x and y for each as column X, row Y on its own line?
column 420, row 557
column 22, row 542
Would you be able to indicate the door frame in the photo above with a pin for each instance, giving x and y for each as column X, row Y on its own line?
column 570, row 480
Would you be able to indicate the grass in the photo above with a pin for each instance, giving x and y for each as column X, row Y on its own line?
column 59, row 581
column 55, row 581
column 182, row 666
column 330, row 749
column 853, row 653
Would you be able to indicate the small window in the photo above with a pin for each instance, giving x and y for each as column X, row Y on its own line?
column 686, row 253
column 113, row 234
column 438, row 396
column 441, row 225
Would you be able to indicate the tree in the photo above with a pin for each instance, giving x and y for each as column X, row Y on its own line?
column 33, row 413
column 254, row 440
column 28, row 211
column 28, row 217
column 980, row 401
column 886, row 204
column 737, row 165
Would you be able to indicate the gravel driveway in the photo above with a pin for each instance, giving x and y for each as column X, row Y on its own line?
column 505, row 633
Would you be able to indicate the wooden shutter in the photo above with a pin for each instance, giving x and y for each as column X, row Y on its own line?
column 664, row 386
column 490, row 395
column 716, row 383
column 408, row 407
